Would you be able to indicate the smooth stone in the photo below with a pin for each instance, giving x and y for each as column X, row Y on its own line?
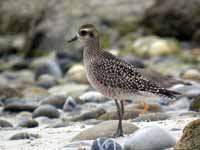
column 190, row 140
column 19, row 107
column 195, row 104
column 70, row 104
column 89, row 115
column 93, row 96
column 182, row 104
column 55, row 100
column 46, row 111
column 105, row 129
column 74, row 90
column 105, row 144
column 77, row 73
column 47, row 81
column 28, row 123
column 46, row 66
column 192, row 74
column 5, row 124
column 151, row 138
column 24, row 135
column 152, row 117
column 34, row 92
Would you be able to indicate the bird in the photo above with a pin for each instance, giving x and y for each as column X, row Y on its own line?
column 112, row 76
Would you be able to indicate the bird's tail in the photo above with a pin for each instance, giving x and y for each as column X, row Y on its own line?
column 169, row 93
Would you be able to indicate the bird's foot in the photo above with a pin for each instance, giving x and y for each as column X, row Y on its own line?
column 146, row 108
column 117, row 134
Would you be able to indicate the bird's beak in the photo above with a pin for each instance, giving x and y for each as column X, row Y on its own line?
column 73, row 39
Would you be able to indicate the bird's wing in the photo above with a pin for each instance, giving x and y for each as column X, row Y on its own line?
column 116, row 73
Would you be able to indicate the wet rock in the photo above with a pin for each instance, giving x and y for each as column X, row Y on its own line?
column 177, row 13
column 28, row 123
column 24, row 135
column 190, row 137
column 154, row 46
column 19, row 107
column 195, row 104
column 93, row 96
column 105, row 144
column 77, row 73
column 70, row 104
column 89, row 115
column 152, row 117
column 55, row 100
column 104, row 129
column 5, row 124
column 144, row 139
column 46, row 66
column 74, row 90
column 46, row 81
column 46, row 111
column 192, row 74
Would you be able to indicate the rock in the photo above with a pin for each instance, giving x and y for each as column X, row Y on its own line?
column 5, row 124
column 81, row 145
column 190, row 138
column 136, row 62
column 24, row 135
column 77, row 73
column 144, row 139
column 47, row 111
column 93, row 96
column 70, row 104
column 47, row 81
column 191, row 74
column 47, row 66
column 55, row 100
column 89, row 115
column 182, row 104
column 8, row 92
column 152, row 117
column 177, row 13
column 28, row 123
column 195, row 104
column 152, row 107
column 74, row 90
column 34, row 92
column 19, row 107
column 105, row 129
column 155, row 46
column 129, row 114
column 105, row 144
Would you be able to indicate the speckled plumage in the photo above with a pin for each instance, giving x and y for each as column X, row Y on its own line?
column 117, row 79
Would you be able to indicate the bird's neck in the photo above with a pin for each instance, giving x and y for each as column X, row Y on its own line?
column 92, row 48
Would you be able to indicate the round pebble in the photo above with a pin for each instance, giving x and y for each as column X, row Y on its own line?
column 5, row 124
column 24, row 135
column 70, row 104
column 46, row 111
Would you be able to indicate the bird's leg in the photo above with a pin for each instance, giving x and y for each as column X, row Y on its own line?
column 145, row 109
column 119, row 131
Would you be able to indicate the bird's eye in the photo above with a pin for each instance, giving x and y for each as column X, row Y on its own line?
column 82, row 33
column 91, row 35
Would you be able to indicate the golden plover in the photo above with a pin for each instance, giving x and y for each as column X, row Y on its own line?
column 112, row 76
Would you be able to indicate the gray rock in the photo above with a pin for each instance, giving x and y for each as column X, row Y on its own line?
column 152, row 117
column 104, row 129
column 27, row 123
column 55, row 100
column 70, row 104
column 46, row 111
column 47, row 81
column 8, row 92
column 5, row 124
column 24, row 135
column 195, row 104
column 151, row 138
column 19, row 107
column 74, row 145
column 105, row 144
column 93, row 96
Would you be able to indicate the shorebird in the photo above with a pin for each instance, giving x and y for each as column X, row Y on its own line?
column 112, row 76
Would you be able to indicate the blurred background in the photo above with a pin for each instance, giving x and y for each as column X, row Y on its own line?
column 39, row 67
